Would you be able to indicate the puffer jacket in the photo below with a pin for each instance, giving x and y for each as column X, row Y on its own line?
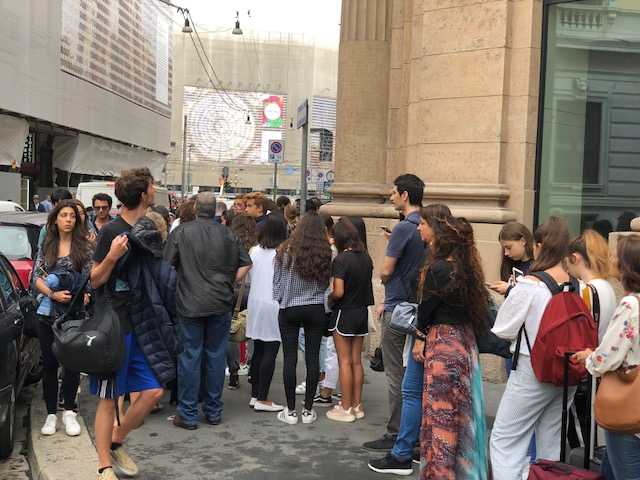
column 153, row 308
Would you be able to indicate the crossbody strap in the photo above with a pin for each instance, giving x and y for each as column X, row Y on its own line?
column 236, row 309
column 595, row 304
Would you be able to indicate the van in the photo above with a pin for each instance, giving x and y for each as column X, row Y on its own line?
column 86, row 191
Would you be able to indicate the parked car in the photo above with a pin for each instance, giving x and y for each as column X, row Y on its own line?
column 8, row 206
column 19, row 233
column 20, row 362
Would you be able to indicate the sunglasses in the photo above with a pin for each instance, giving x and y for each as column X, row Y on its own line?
column 101, row 208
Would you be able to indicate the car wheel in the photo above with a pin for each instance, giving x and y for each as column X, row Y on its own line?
column 6, row 429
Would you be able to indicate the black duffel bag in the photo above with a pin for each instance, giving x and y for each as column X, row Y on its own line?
column 90, row 343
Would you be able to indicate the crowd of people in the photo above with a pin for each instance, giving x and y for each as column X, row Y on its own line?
column 305, row 284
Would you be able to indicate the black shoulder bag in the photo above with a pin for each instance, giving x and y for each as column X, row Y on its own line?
column 90, row 344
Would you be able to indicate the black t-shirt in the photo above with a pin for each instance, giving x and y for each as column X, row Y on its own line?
column 356, row 269
column 119, row 285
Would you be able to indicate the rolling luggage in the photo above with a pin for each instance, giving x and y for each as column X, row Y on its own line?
column 552, row 470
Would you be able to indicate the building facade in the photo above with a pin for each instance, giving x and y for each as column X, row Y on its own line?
column 85, row 88
column 508, row 109
column 260, row 79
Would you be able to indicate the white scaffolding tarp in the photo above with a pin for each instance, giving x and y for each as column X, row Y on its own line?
column 96, row 156
column 13, row 134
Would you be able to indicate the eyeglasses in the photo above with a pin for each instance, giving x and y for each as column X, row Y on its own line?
column 101, row 208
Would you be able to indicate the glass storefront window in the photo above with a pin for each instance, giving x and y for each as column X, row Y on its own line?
column 589, row 170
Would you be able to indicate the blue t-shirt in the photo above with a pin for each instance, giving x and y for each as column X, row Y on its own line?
column 408, row 248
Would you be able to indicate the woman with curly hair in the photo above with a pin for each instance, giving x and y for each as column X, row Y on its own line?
column 302, row 267
column 453, row 310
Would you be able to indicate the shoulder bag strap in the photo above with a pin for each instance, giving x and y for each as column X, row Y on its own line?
column 78, row 297
column 236, row 309
column 595, row 304
column 548, row 280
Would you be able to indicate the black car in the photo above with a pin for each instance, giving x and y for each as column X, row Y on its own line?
column 20, row 361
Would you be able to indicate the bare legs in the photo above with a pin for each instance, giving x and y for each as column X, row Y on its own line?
column 351, row 372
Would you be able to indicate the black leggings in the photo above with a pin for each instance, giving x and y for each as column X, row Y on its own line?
column 263, row 364
column 70, row 380
column 314, row 321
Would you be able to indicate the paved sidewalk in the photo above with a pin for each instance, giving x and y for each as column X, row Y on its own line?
column 252, row 446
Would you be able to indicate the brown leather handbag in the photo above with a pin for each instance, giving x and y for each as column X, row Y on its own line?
column 618, row 401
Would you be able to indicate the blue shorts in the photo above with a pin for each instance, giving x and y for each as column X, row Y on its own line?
column 135, row 374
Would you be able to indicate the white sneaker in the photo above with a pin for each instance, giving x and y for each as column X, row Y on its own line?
column 267, row 407
column 243, row 370
column 49, row 427
column 288, row 416
column 301, row 389
column 71, row 425
column 252, row 402
column 309, row 416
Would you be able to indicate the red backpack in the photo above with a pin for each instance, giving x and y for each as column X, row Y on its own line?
column 566, row 327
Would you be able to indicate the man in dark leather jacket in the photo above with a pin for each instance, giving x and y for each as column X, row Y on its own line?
column 209, row 259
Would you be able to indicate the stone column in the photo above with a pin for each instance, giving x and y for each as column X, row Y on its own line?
column 363, row 100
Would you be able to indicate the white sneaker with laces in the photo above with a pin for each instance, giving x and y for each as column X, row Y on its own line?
column 71, row 425
column 243, row 370
column 267, row 407
column 301, row 389
column 252, row 402
column 49, row 427
column 309, row 416
column 288, row 416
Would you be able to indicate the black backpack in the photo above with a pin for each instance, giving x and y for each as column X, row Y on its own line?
column 90, row 343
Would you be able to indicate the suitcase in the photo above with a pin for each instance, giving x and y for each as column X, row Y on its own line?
column 552, row 470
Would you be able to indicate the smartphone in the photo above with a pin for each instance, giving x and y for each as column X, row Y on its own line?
column 386, row 229
column 517, row 272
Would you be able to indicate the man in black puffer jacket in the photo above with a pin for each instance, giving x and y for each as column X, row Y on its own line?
column 153, row 306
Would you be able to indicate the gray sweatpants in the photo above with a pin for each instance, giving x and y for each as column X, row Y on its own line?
column 392, row 349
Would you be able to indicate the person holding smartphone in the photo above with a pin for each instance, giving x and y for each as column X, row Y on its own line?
column 516, row 241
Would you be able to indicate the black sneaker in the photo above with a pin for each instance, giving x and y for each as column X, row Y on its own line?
column 389, row 464
column 385, row 443
column 416, row 456
column 320, row 401
column 234, row 381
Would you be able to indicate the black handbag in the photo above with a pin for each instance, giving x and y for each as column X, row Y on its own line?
column 90, row 343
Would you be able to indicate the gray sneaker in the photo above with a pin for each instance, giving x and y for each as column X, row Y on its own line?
column 123, row 462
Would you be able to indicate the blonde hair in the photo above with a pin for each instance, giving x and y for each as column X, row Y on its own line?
column 594, row 249
column 159, row 222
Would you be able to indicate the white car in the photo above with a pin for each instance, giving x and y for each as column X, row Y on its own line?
column 6, row 206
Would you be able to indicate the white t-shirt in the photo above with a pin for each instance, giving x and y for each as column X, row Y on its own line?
column 262, row 309
column 607, row 299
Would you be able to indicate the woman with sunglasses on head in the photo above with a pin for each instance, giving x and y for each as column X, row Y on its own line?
column 61, row 266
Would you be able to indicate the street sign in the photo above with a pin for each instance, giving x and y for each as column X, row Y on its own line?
column 303, row 114
column 276, row 151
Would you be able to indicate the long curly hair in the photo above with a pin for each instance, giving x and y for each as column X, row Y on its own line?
column 307, row 251
column 454, row 242
column 245, row 228
column 80, row 245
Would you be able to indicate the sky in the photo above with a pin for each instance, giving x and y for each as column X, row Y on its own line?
column 319, row 19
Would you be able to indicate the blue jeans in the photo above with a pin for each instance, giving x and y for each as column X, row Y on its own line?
column 623, row 453
column 210, row 334
column 411, row 416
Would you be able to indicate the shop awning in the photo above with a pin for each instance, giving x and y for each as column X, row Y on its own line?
column 13, row 134
column 96, row 156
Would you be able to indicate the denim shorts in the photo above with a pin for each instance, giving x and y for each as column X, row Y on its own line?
column 135, row 374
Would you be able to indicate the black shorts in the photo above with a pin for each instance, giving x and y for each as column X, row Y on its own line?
column 350, row 322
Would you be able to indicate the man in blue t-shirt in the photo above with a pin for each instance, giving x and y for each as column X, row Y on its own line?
column 404, row 257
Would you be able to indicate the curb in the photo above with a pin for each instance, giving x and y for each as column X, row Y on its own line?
column 59, row 457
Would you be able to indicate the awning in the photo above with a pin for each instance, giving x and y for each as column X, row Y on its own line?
column 96, row 156
column 13, row 134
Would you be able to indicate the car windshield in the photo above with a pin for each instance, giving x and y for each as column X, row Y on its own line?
column 14, row 242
